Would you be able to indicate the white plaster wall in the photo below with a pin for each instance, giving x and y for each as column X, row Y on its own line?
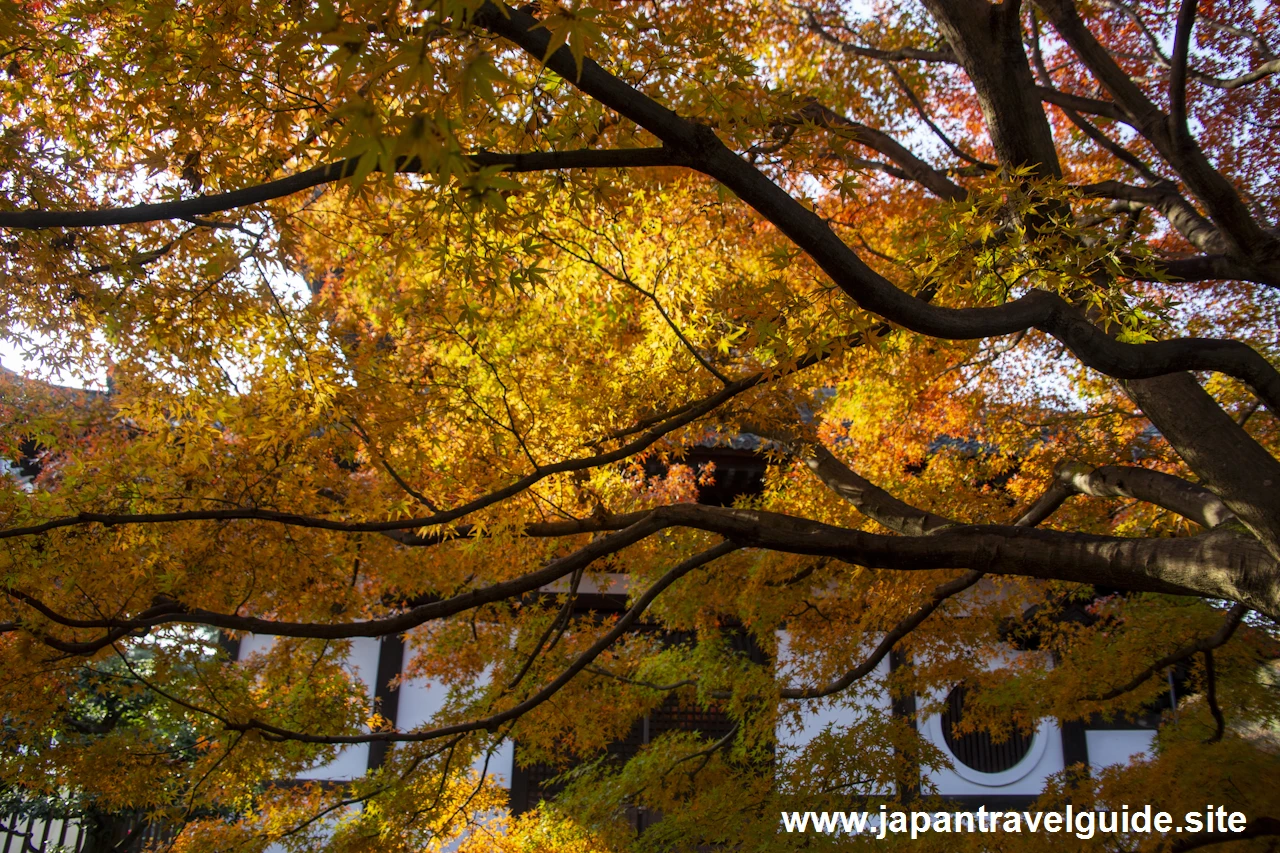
column 351, row 761
column 1120, row 746
column 819, row 715
column 421, row 699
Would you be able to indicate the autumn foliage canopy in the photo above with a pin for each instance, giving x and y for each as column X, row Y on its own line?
column 404, row 318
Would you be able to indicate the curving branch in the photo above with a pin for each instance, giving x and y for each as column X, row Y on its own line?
column 940, row 594
column 926, row 523
column 495, row 720
column 1207, row 644
column 901, row 54
column 871, row 500
column 1178, row 71
column 1046, row 311
column 1253, row 75
column 169, row 611
column 918, row 106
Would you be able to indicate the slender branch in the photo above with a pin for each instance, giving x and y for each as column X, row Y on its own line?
column 901, row 54
column 871, row 500
column 1266, row 69
column 1219, row 638
column 919, row 107
column 675, row 685
column 1083, row 104
column 398, row 624
column 493, row 721
column 1253, row 75
column 704, row 754
column 538, row 161
column 586, row 257
column 940, row 594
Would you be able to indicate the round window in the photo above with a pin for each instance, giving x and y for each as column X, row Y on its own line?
column 978, row 750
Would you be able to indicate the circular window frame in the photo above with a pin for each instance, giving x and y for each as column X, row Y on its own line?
column 1016, row 773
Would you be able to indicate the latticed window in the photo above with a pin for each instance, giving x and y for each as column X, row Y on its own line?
column 978, row 750
column 533, row 783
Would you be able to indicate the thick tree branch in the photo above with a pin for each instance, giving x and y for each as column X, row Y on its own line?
column 1242, row 569
column 1226, row 458
column 1165, row 198
column 871, row 500
column 1165, row 490
column 1048, row 312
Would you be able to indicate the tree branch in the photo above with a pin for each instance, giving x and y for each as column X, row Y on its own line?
column 1082, row 104
column 1046, row 311
column 493, row 721
column 172, row 612
column 1219, row 638
column 188, row 209
column 1211, row 698
column 894, row 55
column 1178, row 71
column 940, row 594
column 871, row 500
column 1165, row 490
column 1247, row 239
column 911, row 166
column 1164, row 197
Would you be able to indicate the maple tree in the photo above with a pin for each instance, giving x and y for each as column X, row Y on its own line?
column 411, row 310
